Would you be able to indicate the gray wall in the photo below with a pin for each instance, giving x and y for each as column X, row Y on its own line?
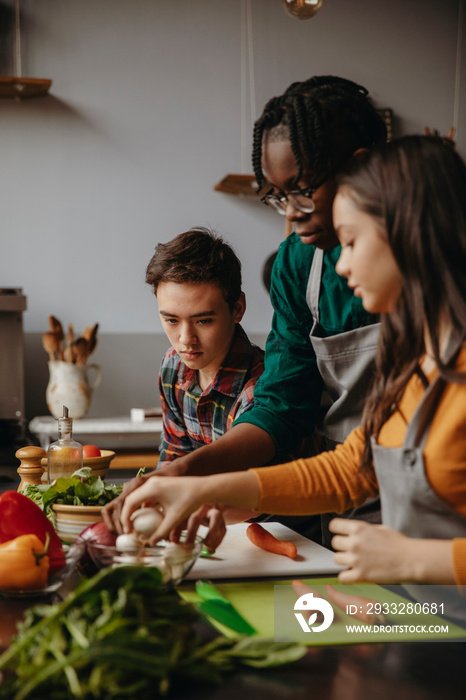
column 143, row 118
column 129, row 362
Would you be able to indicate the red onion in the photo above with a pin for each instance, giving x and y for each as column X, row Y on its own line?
column 99, row 534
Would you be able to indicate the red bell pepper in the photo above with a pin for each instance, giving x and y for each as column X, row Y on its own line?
column 21, row 516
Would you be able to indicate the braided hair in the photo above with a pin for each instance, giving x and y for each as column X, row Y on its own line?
column 325, row 119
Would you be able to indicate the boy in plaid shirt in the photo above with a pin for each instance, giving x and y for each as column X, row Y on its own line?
column 208, row 376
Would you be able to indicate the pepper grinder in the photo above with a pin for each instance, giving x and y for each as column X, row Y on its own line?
column 30, row 469
column 65, row 455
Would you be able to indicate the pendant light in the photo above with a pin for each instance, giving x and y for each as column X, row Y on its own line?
column 302, row 9
column 16, row 86
column 244, row 184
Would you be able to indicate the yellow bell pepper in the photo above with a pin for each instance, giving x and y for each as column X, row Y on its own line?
column 24, row 565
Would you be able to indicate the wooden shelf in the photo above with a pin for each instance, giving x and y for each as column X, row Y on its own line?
column 23, row 88
column 242, row 185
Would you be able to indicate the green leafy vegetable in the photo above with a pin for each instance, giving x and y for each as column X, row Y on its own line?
column 80, row 489
column 122, row 635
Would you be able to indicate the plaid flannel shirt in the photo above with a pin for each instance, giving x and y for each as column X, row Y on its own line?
column 192, row 417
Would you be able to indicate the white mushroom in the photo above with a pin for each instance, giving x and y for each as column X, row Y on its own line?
column 146, row 521
column 178, row 555
column 127, row 543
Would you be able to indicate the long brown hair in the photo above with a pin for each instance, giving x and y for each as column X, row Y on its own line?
column 416, row 187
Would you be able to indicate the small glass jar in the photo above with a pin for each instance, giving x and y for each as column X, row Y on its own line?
column 65, row 455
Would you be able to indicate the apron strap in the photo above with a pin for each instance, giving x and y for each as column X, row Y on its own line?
column 313, row 285
column 418, row 428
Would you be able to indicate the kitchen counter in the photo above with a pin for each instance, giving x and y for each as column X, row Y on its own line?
column 406, row 671
column 108, row 432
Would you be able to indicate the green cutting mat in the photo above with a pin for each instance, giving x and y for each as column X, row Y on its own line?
column 255, row 601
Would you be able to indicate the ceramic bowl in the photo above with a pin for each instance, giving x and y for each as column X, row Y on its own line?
column 98, row 465
column 173, row 562
column 9, row 560
column 69, row 521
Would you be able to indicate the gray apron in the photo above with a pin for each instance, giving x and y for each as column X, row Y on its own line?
column 408, row 502
column 345, row 363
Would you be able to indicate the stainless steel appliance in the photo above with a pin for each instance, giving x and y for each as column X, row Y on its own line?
column 12, row 397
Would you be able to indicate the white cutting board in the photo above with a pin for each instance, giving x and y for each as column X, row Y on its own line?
column 238, row 557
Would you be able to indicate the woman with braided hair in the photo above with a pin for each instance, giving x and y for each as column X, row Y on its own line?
column 318, row 362
column 319, row 354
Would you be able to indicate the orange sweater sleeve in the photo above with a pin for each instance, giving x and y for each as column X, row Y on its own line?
column 459, row 561
column 331, row 481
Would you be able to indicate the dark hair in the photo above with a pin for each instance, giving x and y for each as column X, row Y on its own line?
column 416, row 187
column 197, row 256
column 325, row 118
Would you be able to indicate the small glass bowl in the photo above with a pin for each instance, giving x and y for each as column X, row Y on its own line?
column 56, row 577
column 174, row 561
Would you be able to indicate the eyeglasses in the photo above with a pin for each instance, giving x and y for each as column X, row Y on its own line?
column 299, row 199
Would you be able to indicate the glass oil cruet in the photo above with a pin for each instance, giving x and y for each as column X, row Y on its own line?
column 65, row 455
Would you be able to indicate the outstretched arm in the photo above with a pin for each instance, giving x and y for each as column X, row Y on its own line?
column 180, row 499
column 331, row 481
column 243, row 447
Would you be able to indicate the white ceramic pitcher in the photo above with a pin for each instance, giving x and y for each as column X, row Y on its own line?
column 69, row 385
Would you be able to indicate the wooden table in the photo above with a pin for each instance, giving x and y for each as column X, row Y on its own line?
column 409, row 671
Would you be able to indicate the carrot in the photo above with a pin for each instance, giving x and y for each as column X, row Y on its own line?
column 264, row 539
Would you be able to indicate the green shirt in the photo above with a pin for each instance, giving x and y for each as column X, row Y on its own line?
column 287, row 396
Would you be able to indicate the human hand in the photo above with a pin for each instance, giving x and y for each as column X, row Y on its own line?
column 179, row 498
column 177, row 467
column 373, row 553
column 112, row 511
column 209, row 515
column 214, row 516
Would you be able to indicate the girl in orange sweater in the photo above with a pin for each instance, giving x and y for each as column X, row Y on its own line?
column 400, row 215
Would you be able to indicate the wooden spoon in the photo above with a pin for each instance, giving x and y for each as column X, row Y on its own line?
column 87, row 332
column 68, row 354
column 56, row 327
column 50, row 344
column 90, row 333
column 70, row 334
column 80, row 350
